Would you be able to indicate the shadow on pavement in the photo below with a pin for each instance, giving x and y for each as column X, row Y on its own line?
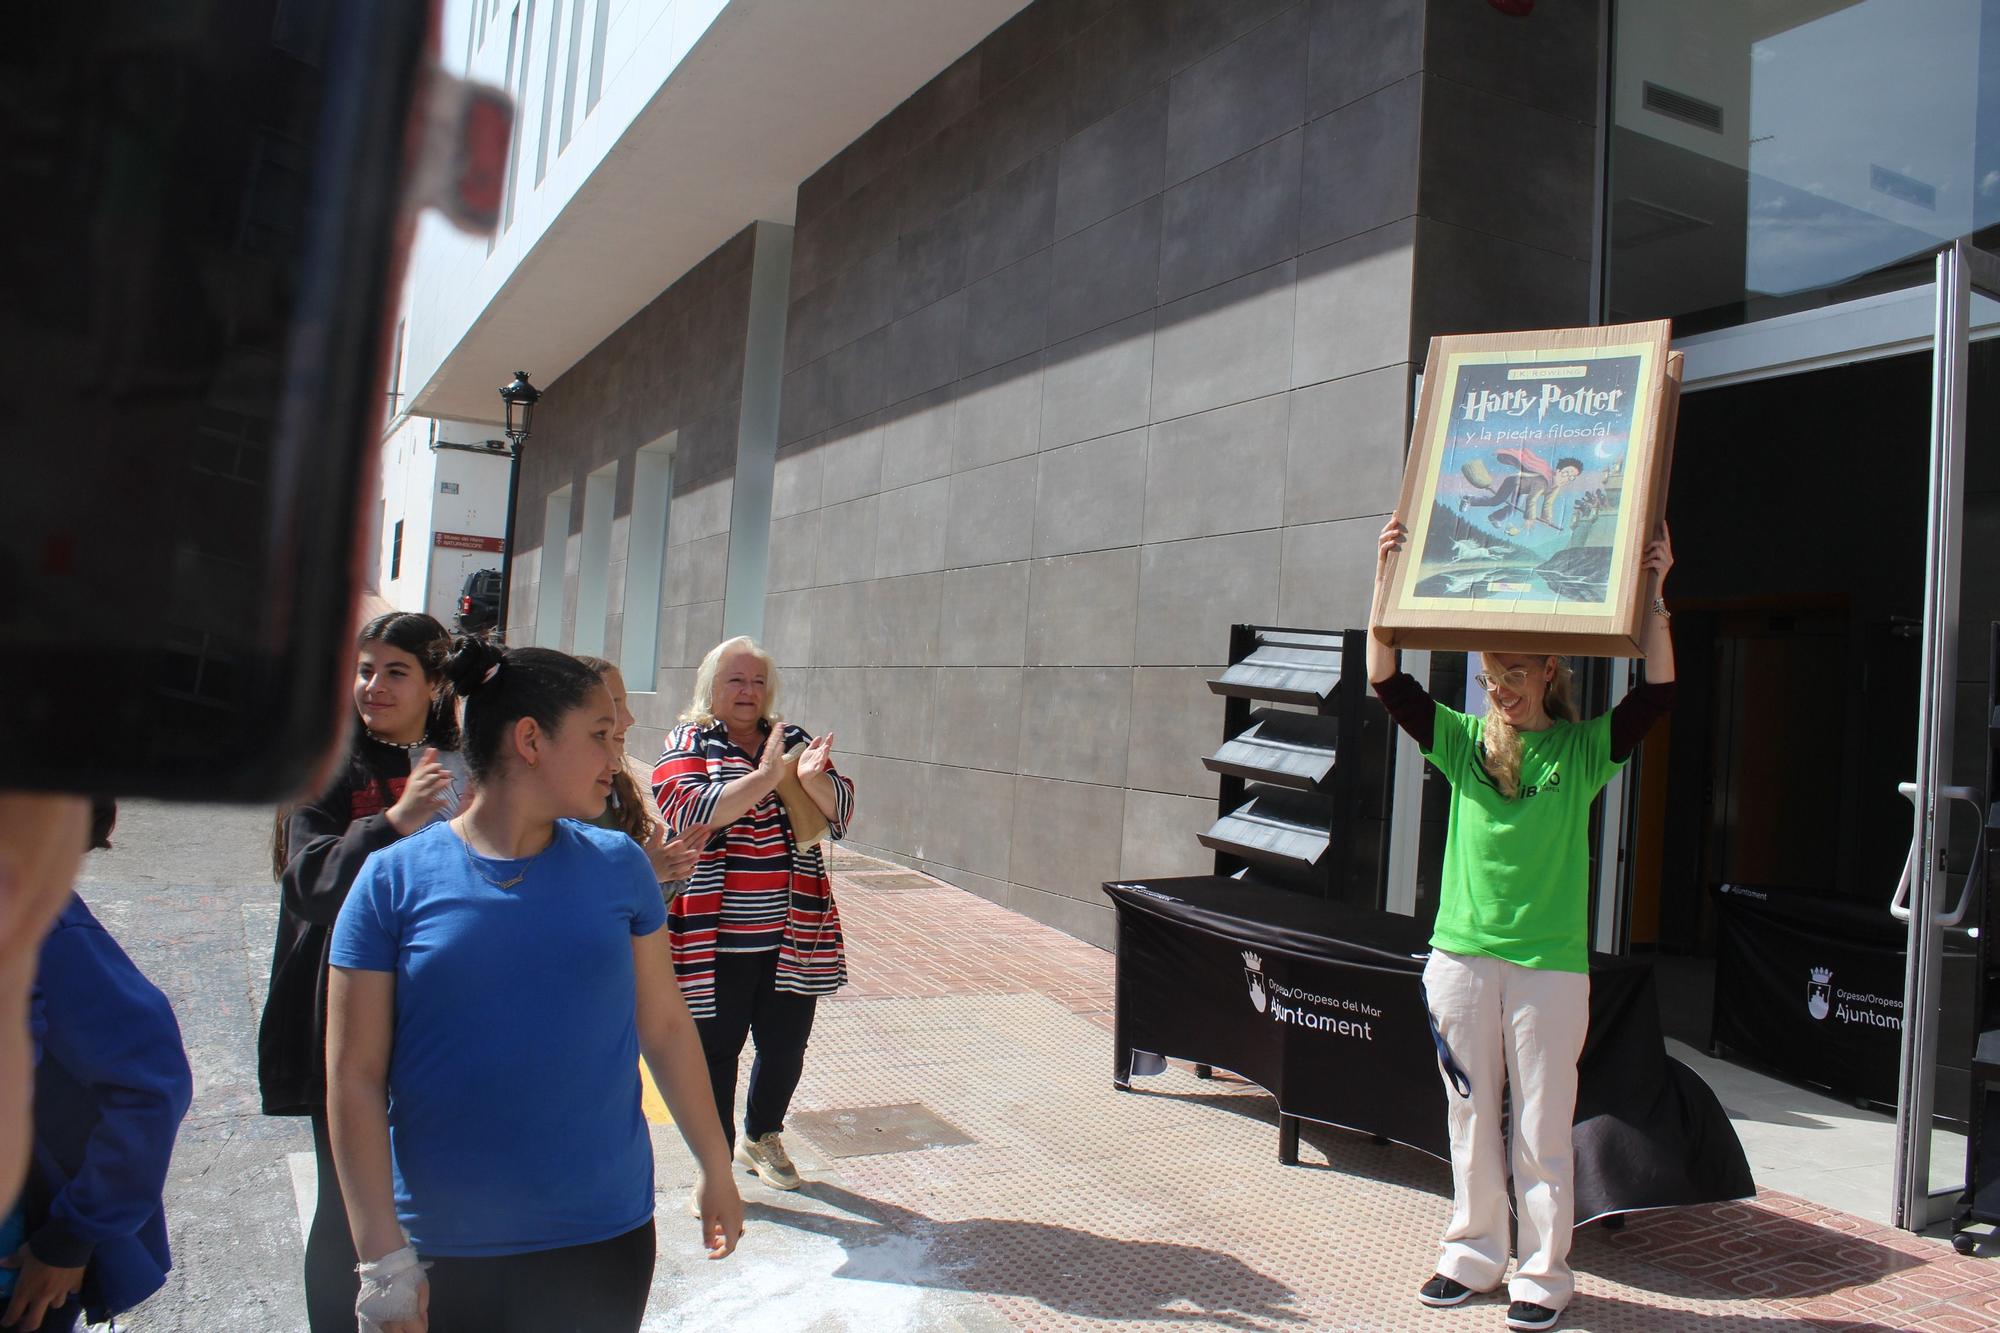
column 1347, row 1151
column 1739, row 1252
column 1588, row 1312
column 1075, row 1272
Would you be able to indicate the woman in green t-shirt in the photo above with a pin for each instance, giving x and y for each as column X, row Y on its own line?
column 1508, row 981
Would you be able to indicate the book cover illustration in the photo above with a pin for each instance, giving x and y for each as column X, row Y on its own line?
column 1526, row 506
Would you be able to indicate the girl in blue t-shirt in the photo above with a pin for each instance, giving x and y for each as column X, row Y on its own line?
column 495, row 980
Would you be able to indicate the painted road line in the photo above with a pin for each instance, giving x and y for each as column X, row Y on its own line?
column 305, row 1188
column 650, row 1099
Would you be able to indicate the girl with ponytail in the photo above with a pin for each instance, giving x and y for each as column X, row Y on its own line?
column 496, row 979
column 403, row 771
column 1508, row 981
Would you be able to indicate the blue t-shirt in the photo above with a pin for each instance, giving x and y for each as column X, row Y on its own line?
column 514, row 1114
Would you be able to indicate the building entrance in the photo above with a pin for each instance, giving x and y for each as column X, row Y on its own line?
column 1766, row 834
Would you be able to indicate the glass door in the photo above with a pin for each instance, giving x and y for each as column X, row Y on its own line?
column 1928, row 897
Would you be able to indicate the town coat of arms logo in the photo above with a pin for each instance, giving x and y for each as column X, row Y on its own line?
column 1819, row 992
column 1253, row 972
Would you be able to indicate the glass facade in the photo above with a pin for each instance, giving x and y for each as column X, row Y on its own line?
column 1767, row 155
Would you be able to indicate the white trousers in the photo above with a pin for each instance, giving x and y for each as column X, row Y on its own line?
column 1516, row 1032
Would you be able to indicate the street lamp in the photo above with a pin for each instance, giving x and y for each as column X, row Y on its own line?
column 519, row 399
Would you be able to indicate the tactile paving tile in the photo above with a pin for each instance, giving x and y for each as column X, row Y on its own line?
column 1078, row 1207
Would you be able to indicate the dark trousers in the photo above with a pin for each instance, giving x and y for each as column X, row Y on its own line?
column 596, row 1288
column 331, row 1285
column 748, row 1004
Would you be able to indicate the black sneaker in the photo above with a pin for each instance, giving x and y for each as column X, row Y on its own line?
column 1441, row 1292
column 1528, row 1315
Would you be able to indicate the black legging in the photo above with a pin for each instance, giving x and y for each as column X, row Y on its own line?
column 749, row 1004
column 596, row 1288
column 331, row 1284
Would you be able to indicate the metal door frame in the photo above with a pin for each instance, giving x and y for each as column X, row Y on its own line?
column 1961, row 269
column 1964, row 282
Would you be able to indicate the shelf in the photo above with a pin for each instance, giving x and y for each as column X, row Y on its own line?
column 1986, row 1056
column 1292, row 668
column 1287, row 749
column 1274, row 824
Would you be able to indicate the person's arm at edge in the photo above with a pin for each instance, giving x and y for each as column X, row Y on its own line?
column 113, row 1030
column 1409, row 704
column 1657, row 637
column 1634, row 715
column 360, row 1033
column 42, row 841
column 672, row 1051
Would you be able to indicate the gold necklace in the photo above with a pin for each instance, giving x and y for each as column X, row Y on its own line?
column 465, row 843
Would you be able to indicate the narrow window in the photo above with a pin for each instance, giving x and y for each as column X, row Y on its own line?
column 569, row 75
column 597, row 59
column 593, row 562
column 555, row 551
column 513, row 42
column 548, row 94
column 520, row 81
column 646, row 564
column 396, row 553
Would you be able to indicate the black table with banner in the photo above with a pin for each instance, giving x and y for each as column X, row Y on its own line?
column 1812, row 985
column 1322, row 1006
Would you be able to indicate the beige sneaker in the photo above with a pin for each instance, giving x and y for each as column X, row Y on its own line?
column 767, row 1157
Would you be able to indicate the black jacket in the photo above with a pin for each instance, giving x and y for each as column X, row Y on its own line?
column 326, row 841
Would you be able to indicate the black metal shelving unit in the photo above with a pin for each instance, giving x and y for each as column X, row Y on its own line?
column 1981, row 1201
column 1305, row 765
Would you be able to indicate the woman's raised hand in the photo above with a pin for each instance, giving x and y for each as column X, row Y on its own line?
column 1660, row 556
column 771, row 759
column 1394, row 534
column 817, row 757
column 424, row 797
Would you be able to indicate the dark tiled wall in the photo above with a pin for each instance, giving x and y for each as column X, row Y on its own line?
column 672, row 375
column 1104, row 340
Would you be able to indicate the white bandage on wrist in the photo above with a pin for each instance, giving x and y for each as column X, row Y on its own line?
column 388, row 1289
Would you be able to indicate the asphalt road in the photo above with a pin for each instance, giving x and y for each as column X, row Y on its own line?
column 187, row 891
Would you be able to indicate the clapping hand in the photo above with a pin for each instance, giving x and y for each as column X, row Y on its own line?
column 674, row 857
column 816, row 758
column 771, row 759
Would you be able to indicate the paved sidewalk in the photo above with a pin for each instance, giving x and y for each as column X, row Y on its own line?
column 1077, row 1207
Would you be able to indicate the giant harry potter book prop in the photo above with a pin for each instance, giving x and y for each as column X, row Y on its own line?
column 1537, row 474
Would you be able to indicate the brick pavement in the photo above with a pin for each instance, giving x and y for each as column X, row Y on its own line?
column 1080, row 1208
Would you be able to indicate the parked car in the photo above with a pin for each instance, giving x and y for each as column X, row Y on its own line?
column 479, row 601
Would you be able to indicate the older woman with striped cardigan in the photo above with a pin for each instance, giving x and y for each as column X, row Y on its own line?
column 756, row 937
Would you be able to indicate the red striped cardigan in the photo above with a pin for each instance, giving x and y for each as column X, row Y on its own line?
column 752, row 888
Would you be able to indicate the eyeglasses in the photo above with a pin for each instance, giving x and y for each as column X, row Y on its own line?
column 1512, row 680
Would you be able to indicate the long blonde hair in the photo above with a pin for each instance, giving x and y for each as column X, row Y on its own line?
column 1500, row 740
column 701, row 708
